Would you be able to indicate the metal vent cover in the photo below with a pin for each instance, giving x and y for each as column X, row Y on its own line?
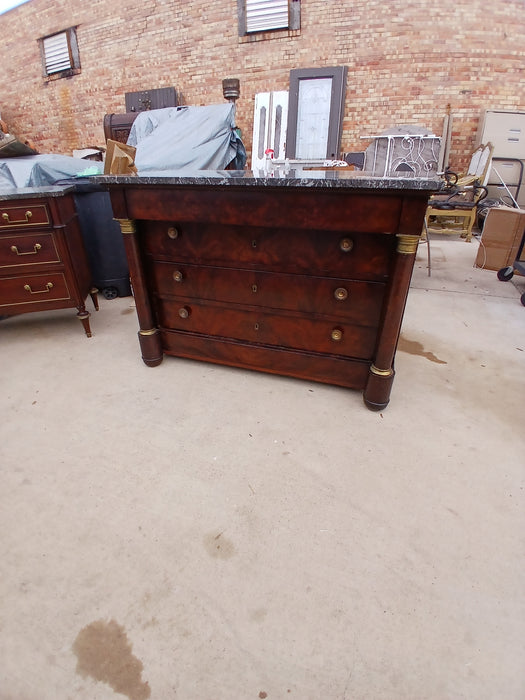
column 263, row 15
column 56, row 53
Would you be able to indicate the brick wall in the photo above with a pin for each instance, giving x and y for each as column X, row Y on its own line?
column 409, row 61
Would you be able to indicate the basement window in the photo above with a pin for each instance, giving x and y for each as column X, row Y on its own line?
column 268, row 15
column 60, row 57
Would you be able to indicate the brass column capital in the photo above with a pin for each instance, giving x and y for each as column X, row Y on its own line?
column 127, row 225
column 407, row 245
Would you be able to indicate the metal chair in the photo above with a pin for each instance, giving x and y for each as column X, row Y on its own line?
column 455, row 211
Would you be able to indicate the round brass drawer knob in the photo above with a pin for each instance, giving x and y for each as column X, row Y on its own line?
column 184, row 312
column 346, row 244
column 341, row 294
column 337, row 334
column 177, row 276
column 172, row 232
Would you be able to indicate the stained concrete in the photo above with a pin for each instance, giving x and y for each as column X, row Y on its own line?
column 193, row 531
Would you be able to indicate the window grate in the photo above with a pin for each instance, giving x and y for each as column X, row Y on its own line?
column 264, row 15
column 56, row 52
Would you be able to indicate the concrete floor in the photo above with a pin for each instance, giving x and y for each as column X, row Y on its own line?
column 198, row 532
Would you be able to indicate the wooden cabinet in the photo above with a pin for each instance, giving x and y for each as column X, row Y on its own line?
column 43, row 263
column 305, row 277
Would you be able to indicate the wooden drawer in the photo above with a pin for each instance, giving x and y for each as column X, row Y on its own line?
column 27, row 249
column 350, row 256
column 331, row 369
column 355, row 301
column 17, row 216
column 256, row 325
column 31, row 289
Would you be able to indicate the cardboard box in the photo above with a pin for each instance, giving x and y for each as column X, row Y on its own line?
column 501, row 237
column 120, row 159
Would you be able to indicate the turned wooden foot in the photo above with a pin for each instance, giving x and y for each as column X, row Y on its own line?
column 83, row 316
column 94, row 297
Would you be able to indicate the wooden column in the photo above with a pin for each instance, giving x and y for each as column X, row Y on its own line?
column 377, row 391
column 149, row 335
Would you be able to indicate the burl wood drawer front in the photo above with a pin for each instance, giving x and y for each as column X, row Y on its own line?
column 17, row 216
column 352, row 255
column 355, row 301
column 258, row 326
column 28, row 249
column 31, row 289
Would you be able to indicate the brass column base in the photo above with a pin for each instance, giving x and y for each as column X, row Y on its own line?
column 378, row 387
column 151, row 347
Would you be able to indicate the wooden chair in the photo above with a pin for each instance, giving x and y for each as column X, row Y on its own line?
column 455, row 212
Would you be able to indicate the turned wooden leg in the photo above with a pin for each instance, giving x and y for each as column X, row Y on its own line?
column 83, row 316
column 94, row 297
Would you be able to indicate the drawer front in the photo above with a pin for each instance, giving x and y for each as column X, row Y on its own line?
column 31, row 289
column 352, row 255
column 27, row 249
column 261, row 327
column 355, row 301
column 17, row 216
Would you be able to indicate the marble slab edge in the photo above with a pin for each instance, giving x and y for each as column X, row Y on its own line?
column 315, row 179
column 34, row 192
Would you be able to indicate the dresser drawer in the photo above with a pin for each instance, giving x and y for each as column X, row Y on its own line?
column 27, row 249
column 355, row 301
column 352, row 255
column 31, row 289
column 16, row 216
column 266, row 328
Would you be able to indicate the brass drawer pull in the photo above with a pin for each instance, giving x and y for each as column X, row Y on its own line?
column 341, row 294
column 346, row 244
column 29, row 214
column 37, row 247
column 49, row 286
column 177, row 276
column 184, row 312
column 254, row 288
column 337, row 334
column 173, row 233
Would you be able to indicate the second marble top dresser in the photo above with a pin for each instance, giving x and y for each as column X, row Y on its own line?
column 43, row 262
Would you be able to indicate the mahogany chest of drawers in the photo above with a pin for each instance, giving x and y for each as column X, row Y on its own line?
column 305, row 277
column 43, row 263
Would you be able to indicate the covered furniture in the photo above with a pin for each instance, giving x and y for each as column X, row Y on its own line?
column 196, row 137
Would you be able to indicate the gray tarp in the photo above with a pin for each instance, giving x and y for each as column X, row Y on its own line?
column 201, row 138
column 6, row 178
column 42, row 170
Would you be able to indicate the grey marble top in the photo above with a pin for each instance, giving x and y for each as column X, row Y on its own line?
column 34, row 192
column 246, row 178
